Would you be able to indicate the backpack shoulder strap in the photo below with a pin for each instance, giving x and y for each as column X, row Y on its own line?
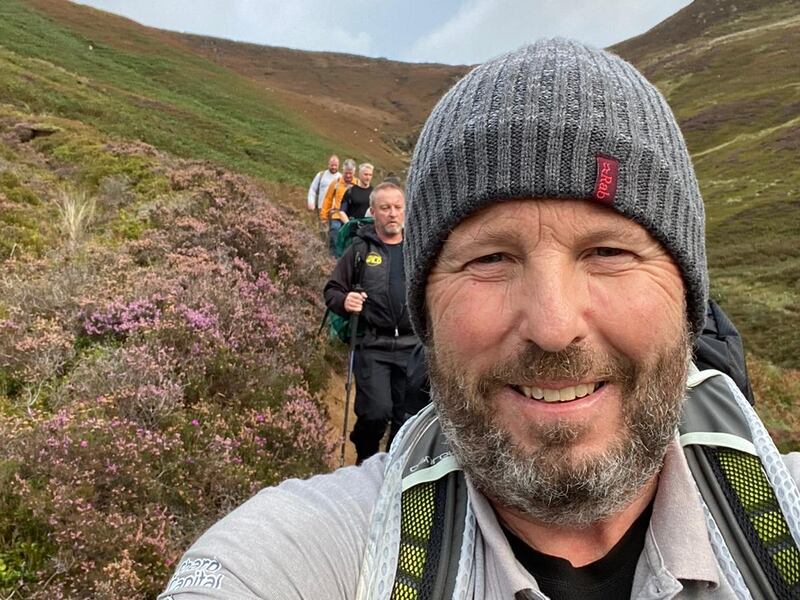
column 360, row 245
column 317, row 183
column 433, row 511
column 719, row 449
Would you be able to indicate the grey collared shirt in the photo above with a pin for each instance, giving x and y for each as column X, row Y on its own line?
column 306, row 539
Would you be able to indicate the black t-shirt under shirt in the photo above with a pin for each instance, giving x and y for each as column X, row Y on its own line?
column 609, row 577
column 357, row 201
column 397, row 280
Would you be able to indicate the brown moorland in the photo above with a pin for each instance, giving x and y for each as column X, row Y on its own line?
column 373, row 107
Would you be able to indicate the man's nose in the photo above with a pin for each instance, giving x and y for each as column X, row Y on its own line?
column 553, row 304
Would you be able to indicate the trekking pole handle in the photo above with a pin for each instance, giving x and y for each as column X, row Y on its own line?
column 358, row 272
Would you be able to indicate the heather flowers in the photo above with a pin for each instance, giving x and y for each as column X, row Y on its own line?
column 149, row 385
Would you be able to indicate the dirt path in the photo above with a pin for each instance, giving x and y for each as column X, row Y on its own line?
column 334, row 400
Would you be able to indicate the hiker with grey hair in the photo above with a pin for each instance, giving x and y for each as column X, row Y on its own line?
column 356, row 200
column 556, row 273
column 330, row 214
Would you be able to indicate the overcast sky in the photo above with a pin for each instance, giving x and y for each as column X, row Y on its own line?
column 445, row 31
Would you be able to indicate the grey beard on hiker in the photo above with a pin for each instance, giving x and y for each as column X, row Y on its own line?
column 542, row 477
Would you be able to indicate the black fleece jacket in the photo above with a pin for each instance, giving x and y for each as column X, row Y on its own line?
column 377, row 312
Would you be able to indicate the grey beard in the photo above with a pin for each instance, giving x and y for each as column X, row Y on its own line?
column 545, row 483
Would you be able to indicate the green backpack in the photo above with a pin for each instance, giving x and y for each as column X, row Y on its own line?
column 348, row 232
column 339, row 327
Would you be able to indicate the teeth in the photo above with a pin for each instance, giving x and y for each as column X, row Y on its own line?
column 551, row 395
column 567, row 393
column 562, row 395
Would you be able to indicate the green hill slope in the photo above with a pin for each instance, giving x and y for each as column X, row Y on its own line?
column 731, row 72
column 144, row 88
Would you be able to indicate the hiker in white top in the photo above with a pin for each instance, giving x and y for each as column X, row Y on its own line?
column 319, row 185
column 556, row 273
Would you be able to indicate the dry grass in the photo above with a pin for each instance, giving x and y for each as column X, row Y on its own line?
column 77, row 210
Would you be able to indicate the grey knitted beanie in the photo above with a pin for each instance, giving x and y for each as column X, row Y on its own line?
column 555, row 119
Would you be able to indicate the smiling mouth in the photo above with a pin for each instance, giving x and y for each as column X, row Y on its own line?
column 565, row 394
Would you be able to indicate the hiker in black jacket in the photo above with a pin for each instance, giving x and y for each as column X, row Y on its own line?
column 382, row 356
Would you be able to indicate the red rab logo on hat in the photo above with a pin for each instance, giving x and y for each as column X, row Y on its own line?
column 605, row 187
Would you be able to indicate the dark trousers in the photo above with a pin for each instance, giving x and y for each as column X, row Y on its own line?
column 333, row 235
column 380, row 370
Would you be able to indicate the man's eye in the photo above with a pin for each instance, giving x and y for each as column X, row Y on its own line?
column 489, row 258
column 607, row 252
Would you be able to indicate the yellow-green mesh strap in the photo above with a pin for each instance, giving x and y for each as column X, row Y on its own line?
column 416, row 524
column 748, row 482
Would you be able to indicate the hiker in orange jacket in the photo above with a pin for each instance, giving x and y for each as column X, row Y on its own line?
column 331, row 206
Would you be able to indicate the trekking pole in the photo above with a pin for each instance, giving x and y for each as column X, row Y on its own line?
column 348, row 385
column 324, row 321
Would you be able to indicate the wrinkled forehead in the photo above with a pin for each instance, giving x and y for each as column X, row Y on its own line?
column 389, row 196
column 528, row 219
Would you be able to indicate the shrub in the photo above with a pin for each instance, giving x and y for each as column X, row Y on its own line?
column 121, row 500
column 152, row 386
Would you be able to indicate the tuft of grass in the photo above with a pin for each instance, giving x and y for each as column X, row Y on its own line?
column 25, row 226
column 77, row 210
column 14, row 191
column 127, row 226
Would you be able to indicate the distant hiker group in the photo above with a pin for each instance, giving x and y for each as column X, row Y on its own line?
column 339, row 197
column 363, row 228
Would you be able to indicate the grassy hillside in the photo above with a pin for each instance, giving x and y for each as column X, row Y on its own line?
column 367, row 108
column 159, row 357
column 731, row 72
column 134, row 85
column 378, row 105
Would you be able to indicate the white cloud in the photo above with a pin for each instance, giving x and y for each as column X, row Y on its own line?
column 482, row 29
column 305, row 24
column 476, row 31
column 300, row 24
